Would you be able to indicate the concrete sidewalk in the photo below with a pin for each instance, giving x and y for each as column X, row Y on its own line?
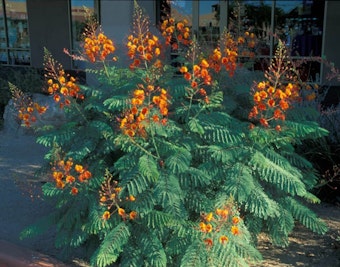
column 21, row 204
column 15, row 256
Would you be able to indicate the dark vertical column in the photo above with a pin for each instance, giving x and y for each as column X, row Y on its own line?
column 49, row 26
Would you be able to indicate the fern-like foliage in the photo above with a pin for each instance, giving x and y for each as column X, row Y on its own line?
column 161, row 170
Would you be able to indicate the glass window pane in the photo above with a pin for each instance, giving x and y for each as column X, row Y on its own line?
column 253, row 16
column 181, row 10
column 3, row 56
column 14, row 34
column 17, row 24
column 209, row 22
column 299, row 24
column 3, row 37
column 78, row 18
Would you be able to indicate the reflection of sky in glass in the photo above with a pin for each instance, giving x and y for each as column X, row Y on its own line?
column 184, row 7
column 288, row 6
column 206, row 6
column 89, row 3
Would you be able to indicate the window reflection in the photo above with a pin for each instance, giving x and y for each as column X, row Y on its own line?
column 78, row 21
column 181, row 10
column 209, row 21
column 299, row 24
column 253, row 16
column 3, row 38
column 14, row 35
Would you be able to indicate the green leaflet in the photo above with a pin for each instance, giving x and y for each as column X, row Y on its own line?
column 148, row 167
column 111, row 246
column 260, row 205
column 180, row 161
column 193, row 255
column 307, row 217
column 116, row 103
column 195, row 126
column 285, row 177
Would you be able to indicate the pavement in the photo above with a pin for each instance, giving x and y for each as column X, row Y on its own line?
column 21, row 204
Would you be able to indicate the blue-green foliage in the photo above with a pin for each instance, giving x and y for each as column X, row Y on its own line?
column 202, row 158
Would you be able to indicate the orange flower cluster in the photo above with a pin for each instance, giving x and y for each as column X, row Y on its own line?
column 27, row 113
column 310, row 92
column 63, row 87
column 142, row 112
column 98, row 46
column 247, row 44
column 271, row 103
column 227, row 56
column 143, row 48
column 198, row 78
column 110, row 197
column 27, row 109
column 213, row 224
column 176, row 33
column 67, row 173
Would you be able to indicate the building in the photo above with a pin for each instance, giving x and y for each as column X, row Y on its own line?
column 309, row 27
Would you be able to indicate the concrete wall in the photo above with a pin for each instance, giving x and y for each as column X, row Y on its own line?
column 49, row 27
column 332, row 36
column 117, row 22
column 117, row 17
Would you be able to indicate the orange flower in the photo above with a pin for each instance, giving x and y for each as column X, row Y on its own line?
column 284, row 104
column 70, row 179
column 271, row 102
column 209, row 217
column 133, row 215
column 235, row 230
column 223, row 239
column 106, row 215
column 209, row 228
column 235, row 220
column 187, row 76
column 121, row 212
column 222, row 213
column 79, row 168
column 311, row 96
column 261, row 85
column 208, row 242
column 264, row 122
column 74, row 191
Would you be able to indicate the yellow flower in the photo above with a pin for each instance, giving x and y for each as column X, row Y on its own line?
column 209, row 217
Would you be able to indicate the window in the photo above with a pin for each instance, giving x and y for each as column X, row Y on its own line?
column 14, row 34
column 209, row 22
column 299, row 23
